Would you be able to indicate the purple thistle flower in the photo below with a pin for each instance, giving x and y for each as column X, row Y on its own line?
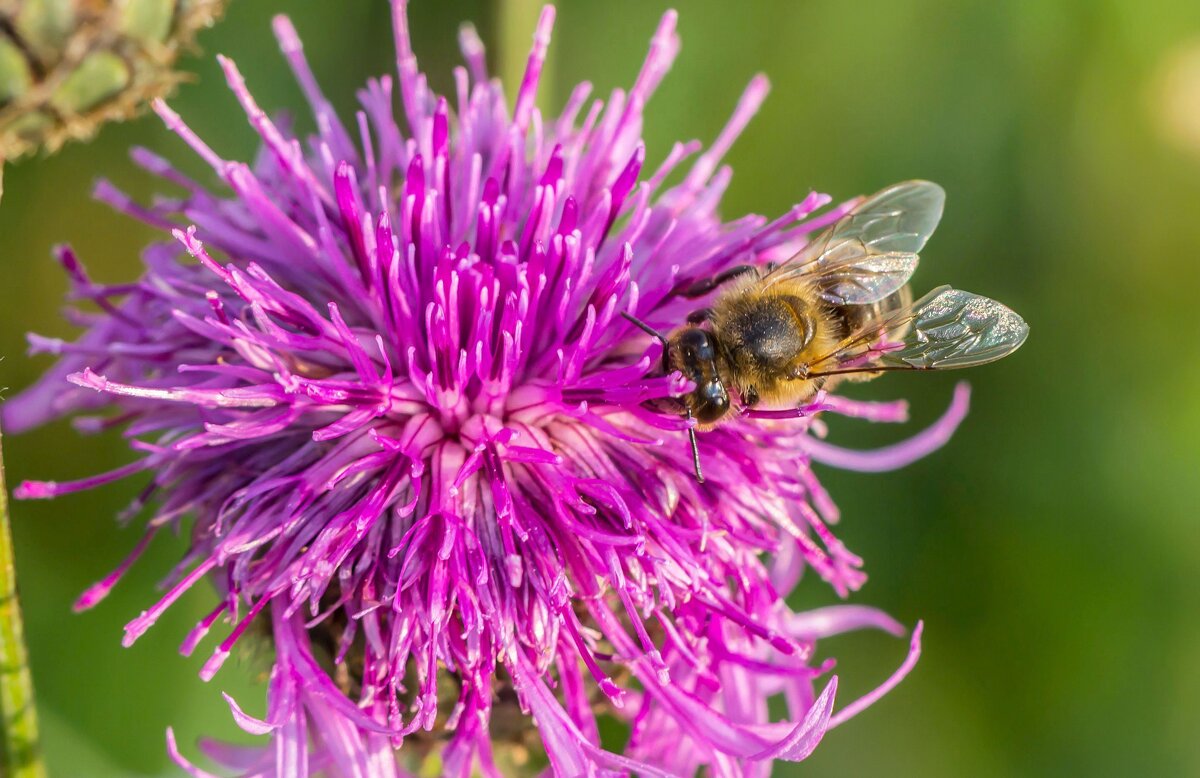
column 388, row 376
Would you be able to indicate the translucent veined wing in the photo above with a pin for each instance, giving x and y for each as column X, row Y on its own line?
column 872, row 251
column 946, row 329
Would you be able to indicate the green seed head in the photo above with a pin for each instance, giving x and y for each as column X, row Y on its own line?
column 67, row 66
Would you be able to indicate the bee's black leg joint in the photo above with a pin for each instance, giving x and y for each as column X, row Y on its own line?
column 750, row 397
column 704, row 314
column 706, row 285
column 695, row 450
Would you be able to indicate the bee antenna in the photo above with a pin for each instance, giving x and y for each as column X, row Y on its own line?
column 695, row 450
column 661, row 338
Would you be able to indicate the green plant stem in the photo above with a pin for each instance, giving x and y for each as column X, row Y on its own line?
column 20, row 754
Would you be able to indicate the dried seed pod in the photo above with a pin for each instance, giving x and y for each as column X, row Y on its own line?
column 67, row 66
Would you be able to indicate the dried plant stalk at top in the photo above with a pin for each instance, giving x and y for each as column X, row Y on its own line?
column 68, row 66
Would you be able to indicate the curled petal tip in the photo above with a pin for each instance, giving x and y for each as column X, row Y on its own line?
column 35, row 490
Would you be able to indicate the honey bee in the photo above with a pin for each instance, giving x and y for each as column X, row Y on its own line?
column 840, row 309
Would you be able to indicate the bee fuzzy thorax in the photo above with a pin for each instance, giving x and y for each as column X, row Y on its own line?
column 768, row 334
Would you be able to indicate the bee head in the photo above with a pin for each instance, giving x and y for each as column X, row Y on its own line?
column 694, row 353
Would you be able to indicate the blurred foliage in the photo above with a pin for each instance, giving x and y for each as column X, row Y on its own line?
column 1052, row 548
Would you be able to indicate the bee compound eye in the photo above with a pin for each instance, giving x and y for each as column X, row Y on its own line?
column 712, row 401
column 715, row 395
column 695, row 343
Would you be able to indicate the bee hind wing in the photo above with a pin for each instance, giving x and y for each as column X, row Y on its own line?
column 944, row 330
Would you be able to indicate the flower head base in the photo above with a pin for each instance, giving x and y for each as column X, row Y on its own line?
column 390, row 379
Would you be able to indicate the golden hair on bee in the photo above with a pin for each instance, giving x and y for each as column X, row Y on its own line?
column 767, row 332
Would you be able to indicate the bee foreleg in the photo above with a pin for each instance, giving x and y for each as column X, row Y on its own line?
column 750, row 397
column 702, row 315
column 706, row 285
column 695, row 450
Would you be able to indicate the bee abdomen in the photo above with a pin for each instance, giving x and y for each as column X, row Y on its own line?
column 854, row 318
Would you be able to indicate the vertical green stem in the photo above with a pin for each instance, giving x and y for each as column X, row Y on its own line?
column 20, row 755
column 515, row 22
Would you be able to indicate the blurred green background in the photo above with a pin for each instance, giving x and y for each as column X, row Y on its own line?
column 1053, row 548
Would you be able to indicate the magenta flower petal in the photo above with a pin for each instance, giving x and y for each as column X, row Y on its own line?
column 864, row 702
column 385, row 371
column 901, row 454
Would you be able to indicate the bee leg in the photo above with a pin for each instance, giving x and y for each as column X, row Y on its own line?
column 695, row 450
column 706, row 285
column 750, row 397
column 704, row 314
column 644, row 327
